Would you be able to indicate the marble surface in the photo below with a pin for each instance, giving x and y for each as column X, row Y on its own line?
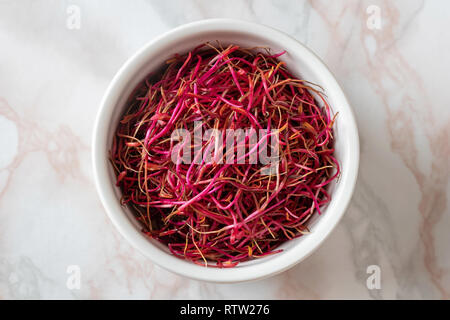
column 56, row 60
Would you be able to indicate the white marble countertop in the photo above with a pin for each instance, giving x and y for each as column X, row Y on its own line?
column 56, row 60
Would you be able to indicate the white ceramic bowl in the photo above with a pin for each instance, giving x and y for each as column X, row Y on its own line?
column 301, row 62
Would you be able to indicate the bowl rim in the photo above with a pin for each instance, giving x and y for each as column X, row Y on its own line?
column 167, row 261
